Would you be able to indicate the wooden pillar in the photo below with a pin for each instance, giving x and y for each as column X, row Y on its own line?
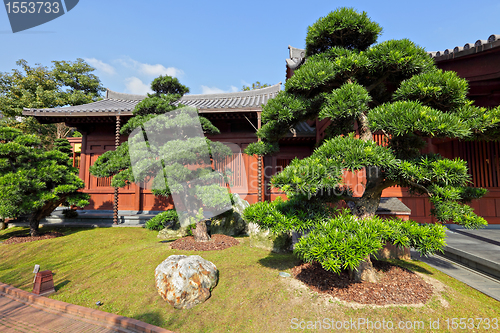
column 83, row 158
column 117, row 143
column 259, row 161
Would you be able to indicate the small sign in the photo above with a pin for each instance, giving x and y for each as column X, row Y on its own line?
column 44, row 283
column 37, row 269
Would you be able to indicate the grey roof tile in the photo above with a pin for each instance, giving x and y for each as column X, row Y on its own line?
column 124, row 104
column 480, row 45
column 392, row 205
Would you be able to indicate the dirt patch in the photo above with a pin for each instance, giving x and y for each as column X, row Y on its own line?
column 217, row 242
column 28, row 238
column 397, row 285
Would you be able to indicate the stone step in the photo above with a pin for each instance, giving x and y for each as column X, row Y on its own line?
column 472, row 261
column 476, row 249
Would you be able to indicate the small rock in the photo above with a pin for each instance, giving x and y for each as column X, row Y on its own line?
column 284, row 274
column 184, row 281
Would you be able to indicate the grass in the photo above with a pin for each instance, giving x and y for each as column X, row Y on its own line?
column 116, row 266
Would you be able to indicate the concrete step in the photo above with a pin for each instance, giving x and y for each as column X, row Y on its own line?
column 476, row 249
column 89, row 218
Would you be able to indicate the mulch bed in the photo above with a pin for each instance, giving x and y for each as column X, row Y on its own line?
column 28, row 238
column 396, row 285
column 217, row 242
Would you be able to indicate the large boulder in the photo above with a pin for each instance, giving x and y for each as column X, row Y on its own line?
column 265, row 239
column 172, row 231
column 184, row 281
column 231, row 223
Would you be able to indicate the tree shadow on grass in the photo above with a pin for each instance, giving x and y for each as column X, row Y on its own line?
column 411, row 266
column 24, row 231
column 153, row 318
column 61, row 284
column 280, row 261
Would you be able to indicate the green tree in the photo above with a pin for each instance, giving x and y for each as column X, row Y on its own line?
column 65, row 83
column 393, row 88
column 169, row 141
column 255, row 85
column 34, row 181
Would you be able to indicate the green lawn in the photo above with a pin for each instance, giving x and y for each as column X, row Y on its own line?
column 116, row 266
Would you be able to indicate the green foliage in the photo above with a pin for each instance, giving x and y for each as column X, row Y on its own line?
column 343, row 28
column 295, row 214
column 440, row 90
column 63, row 146
column 161, row 220
column 70, row 213
column 398, row 60
column 261, row 148
column 322, row 73
column 255, row 85
column 408, row 117
column 344, row 241
column 349, row 101
column 169, row 86
column 35, row 181
column 65, row 83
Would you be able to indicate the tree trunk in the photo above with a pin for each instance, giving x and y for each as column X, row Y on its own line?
column 34, row 223
column 201, row 233
column 364, row 272
column 366, row 207
column 3, row 224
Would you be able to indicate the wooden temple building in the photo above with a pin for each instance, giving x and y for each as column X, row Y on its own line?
column 237, row 115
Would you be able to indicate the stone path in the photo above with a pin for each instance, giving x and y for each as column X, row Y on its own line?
column 21, row 311
column 16, row 316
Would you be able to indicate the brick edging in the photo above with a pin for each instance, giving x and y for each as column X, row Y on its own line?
column 77, row 310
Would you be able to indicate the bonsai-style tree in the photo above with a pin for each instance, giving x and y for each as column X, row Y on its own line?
column 362, row 88
column 34, row 181
column 167, row 151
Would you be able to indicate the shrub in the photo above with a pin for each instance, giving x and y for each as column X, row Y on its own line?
column 161, row 220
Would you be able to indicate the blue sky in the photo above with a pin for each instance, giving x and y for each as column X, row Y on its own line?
column 222, row 45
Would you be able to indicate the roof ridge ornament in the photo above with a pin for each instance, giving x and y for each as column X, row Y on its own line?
column 493, row 38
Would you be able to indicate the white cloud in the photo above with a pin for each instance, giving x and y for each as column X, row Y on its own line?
column 148, row 69
column 136, row 86
column 157, row 70
column 215, row 90
column 101, row 66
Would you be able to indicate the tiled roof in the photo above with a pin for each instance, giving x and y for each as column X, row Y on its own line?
column 297, row 55
column 392, row 205
column 468, row 48
column 302, row 129
column 123, row 104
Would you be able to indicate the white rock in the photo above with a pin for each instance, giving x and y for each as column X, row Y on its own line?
column 184, row 281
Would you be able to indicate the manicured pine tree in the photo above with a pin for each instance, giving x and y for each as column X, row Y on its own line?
column 362, row 88
column 165, row 161
column 34, row 181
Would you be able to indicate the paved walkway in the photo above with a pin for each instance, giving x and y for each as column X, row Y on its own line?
column 471, row 256
column 16, row 316
column 21, row 311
